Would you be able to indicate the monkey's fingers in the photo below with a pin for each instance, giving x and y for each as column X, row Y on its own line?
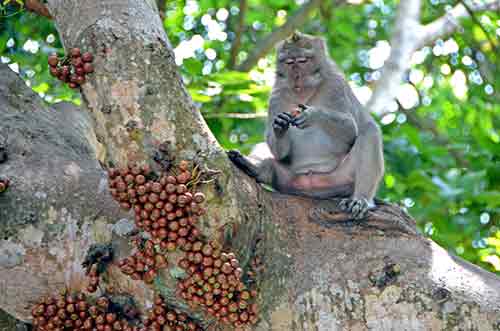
column 279, row 128
column 285, row 116
column 280, row 124
column 301, row 122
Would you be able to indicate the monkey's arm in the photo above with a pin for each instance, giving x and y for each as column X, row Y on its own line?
column 280, row 146
column 369, row 157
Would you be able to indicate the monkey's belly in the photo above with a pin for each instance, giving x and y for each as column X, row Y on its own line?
column 314, row 150
column 320, row 185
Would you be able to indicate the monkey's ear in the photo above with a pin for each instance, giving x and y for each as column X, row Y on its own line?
column 296, row 36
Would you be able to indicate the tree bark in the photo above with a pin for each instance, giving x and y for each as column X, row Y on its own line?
column 320, row 271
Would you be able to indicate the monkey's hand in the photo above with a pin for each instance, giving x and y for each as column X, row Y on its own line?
column 358, row 208
column 306, row 116
column 281, row 123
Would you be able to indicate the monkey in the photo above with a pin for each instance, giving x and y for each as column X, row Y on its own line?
column 322, row 143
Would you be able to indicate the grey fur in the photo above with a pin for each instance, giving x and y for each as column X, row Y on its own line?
column 332, row 148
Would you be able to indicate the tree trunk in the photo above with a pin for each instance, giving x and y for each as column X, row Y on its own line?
column 319, row 271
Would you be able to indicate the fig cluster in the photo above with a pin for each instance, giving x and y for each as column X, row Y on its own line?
column 162, row 317
column 74, row 312
column 166, row 207
column 215, row 283
column 4, row 184
column 145, row 263
column 73, row 68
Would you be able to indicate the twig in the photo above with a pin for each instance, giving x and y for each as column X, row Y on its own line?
column 448, row 23
column 235, row 48
column 481, row 26
column 402, row 43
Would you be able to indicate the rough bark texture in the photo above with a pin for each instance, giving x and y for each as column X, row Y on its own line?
column 320, row 271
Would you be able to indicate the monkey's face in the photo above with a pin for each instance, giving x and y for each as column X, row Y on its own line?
column 299, row 63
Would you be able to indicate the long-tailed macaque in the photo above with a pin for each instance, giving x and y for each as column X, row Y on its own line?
column 323, row 143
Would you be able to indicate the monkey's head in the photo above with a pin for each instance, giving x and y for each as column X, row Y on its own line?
column 299, row 62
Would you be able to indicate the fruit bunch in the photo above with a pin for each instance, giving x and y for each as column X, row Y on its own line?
column 144, row 263
column 166, row 207
column 162, row 318
column 215, row 283
column 73, row 312
column 4, row 184
column 71, row 69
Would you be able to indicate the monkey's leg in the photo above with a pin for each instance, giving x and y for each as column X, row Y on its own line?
column 368, row 165
column 261, row 170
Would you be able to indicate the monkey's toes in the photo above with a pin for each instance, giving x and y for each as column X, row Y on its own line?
column 358, row 208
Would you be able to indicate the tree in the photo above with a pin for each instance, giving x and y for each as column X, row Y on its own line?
column 135, row 105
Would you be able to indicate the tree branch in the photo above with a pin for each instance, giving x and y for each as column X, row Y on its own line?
column 479, row 24
column 239, row 31
column 264, row 46
column 402, row 41
column 409, row 35
column 448, row 23
column 37, row 7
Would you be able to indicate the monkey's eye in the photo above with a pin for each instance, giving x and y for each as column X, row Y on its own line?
column 289, row 61
column 301, row 59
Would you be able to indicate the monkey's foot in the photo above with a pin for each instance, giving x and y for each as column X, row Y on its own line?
column 241, row 162
column 357, row 208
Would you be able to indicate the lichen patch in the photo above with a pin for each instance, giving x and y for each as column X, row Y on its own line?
column 31, row 236
column 11, row 254
column 163, row 130
column 126, row 95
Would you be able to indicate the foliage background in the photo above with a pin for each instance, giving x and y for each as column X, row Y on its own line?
column 442, row 137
